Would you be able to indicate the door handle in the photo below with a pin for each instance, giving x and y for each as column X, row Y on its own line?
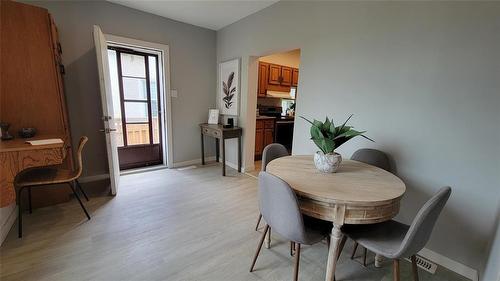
column 107, row 130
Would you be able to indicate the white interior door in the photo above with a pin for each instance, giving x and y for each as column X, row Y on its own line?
column 101, row 49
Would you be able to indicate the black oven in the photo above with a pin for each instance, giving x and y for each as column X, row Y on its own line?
column 283, row 132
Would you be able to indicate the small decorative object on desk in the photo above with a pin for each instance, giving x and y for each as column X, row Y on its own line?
column 230, row 123
column 44, row 141
column 327, row 138
column 5, row 131
column 26, row 133
column 213, row 116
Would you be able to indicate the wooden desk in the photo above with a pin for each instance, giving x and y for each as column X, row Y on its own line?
column 220, row 133
column 16, row 155
column 357, row 193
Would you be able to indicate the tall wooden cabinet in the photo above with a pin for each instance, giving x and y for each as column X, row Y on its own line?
column 31, row 90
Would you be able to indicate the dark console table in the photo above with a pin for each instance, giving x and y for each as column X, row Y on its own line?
column 220, row 133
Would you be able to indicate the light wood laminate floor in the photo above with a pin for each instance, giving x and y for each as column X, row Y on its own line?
column 167, row 225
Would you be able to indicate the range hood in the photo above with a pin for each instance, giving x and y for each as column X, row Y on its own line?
column 282, row 95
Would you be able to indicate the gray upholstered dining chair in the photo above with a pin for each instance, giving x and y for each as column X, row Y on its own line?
column 395, row 240
column 280, row 209
column 271, row 152
column 373, row 157
column 376, row 158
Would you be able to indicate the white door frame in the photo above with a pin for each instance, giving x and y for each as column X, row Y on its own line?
column 163, row 49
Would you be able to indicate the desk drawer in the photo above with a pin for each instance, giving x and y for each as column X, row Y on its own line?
column 212, row 132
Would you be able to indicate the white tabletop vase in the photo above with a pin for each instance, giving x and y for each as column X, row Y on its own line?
column 327, row 163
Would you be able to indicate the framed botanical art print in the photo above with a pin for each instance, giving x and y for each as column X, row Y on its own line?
column 229, row 87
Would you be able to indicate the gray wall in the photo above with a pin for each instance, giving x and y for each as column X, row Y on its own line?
column 421, row 77
column 192, row 63
column 492, row 271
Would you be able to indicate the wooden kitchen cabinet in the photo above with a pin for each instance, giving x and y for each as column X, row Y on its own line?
column 286, row 76
column 263, row 74
column 274, row 74
column 268, row 136
column 295, row 77
column 274, row 77
column 264, row 135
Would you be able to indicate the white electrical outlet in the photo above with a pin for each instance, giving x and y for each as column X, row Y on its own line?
column 173, row 93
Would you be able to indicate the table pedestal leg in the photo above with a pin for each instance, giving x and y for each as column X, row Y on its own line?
column 378, row 260
column 335, row 238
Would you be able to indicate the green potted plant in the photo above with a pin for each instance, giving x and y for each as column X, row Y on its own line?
column 327, row 138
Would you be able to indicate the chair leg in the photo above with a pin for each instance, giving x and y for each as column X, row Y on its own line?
column 259, row 247
column 341, row 246
column 81, row 190
column 79, row 201
column 414, row 267
column 297, row 261
column 268, row 239
column 20, row 213
column 354, row 251
column 364, row 256
column 258, row 222
column 29, row 200
column 395, row 269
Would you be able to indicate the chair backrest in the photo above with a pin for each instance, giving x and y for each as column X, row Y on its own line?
column 271, row 152
column 421, row 228
column 279, row 207
column 79, row 161
column 373, row 157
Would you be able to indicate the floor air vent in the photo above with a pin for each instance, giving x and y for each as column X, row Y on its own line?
column 425, row 264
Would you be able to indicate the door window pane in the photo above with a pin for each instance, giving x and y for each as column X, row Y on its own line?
column 137, row 134
column 115, row 94
column 134, row 89
column 154, row 99
column 136, row 112
column 133, row 65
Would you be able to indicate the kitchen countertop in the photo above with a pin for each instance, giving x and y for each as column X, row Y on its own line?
column 261, row 117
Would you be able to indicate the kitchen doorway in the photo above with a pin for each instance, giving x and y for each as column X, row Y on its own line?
column 138, row 82
column 277, row 91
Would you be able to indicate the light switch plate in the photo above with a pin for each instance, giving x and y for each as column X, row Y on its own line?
column 173, row 93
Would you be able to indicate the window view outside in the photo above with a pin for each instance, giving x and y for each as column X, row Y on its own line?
column 135, row 104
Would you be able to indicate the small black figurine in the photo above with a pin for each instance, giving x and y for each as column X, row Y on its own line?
column 5, row 131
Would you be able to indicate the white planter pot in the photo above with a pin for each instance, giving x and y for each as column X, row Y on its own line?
column 327, row 163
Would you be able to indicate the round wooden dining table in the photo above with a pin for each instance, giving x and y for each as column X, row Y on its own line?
column 357, row 193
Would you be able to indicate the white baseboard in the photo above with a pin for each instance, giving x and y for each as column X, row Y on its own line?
column 8, row 218
column 234, row 166
column 192, row 162
column 450, row 264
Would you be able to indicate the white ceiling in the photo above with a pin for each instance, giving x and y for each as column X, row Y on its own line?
column 205, row 13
